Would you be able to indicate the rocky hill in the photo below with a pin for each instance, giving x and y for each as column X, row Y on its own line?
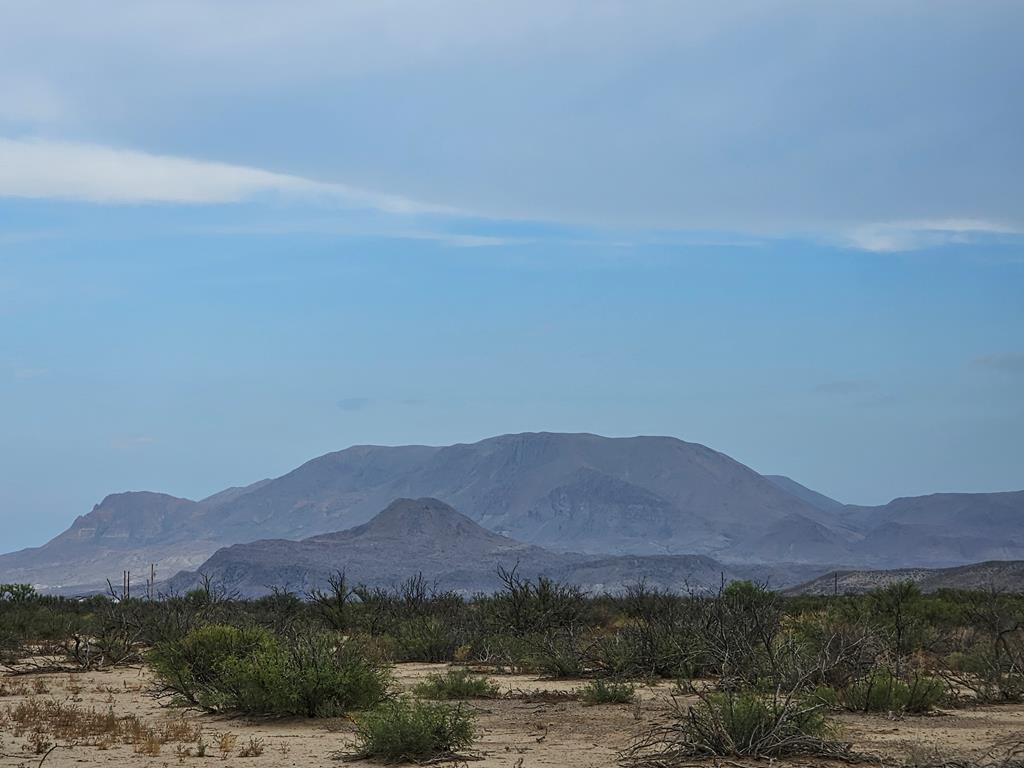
column 426, row 536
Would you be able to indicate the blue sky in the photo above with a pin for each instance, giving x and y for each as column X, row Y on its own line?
column 235, row 236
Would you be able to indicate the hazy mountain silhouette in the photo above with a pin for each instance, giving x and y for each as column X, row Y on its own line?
column 426, row 536
column 583, row 492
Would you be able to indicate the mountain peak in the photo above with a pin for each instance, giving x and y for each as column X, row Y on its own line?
column 425, row 519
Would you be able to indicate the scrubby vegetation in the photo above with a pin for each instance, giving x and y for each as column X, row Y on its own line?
column 225, row 668
column 746, row 724
column 882, row 691
column 767, row 669
column 457, row 684
column 411, row 730
column 601, row 691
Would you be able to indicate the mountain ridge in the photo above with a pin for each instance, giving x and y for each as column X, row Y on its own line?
column 642, row 495
column 427, row 537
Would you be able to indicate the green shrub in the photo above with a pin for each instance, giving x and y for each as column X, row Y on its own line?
column 424, row 638
column 224, row 668
column 194, row 668
column 457, row 684
column 405, row 730
column 743, row 724
column 603, row 691
column 884, row 692
column 556, row 655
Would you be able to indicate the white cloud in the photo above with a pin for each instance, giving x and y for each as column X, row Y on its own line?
column 914, row 235
column 87, row 172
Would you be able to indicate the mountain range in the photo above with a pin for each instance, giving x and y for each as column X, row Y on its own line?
column 564, row 493
column 427, row 536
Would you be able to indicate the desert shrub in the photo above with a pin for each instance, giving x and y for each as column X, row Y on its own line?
column 411, row 730
column 736, row 635
column 424, row 638
column 657, row 638
column 898, row 610
column 251, row 670
column 835, row 648
column 744, row 724
column 882, row 691
column 988, row 676
column 194, row 668
column 457, row 684
column 526, row 607
column 554, row 654
column 601, row 691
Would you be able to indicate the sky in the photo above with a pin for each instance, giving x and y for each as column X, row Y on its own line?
column 238, row 235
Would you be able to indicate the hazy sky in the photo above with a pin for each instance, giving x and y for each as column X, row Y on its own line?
column 237, row 235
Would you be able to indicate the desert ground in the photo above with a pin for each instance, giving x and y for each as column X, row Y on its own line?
column 521, row 730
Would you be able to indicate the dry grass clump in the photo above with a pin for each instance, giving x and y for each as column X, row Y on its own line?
column 254, row 747
column 13, row 689
column 48, row 719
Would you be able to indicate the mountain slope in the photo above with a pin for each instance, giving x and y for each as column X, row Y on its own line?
column 427, row 536
column 125, row 531
column 1001, row 575
column 644, row 494
column 815, row 499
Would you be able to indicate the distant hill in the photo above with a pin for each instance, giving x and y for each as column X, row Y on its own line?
column 815, row 499
column 562, row 492
column 1002, row 575
column 413, row 536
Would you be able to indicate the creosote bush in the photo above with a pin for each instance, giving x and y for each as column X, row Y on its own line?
column 601, row 691
column 738, row 725
column 413, row 730
column 457, row 684
column 224, row 668
column 882, row 691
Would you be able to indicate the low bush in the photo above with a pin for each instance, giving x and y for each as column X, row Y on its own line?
column 224, row 668
column 743, row 724
column 882, row 691
column 603, row 691
column 457, row 684
column 411, row 730
column 424, row 638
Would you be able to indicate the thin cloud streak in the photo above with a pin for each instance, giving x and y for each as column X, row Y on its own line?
column 893, row 237
column 35, row 168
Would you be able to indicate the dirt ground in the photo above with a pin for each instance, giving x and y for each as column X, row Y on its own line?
column 514, row 732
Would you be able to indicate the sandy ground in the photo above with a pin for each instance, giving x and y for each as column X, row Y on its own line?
column 514, row 733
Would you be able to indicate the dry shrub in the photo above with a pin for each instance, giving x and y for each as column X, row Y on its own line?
column 743, row 724
column 100, row 728
column 254, row 748
column 226, row 743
